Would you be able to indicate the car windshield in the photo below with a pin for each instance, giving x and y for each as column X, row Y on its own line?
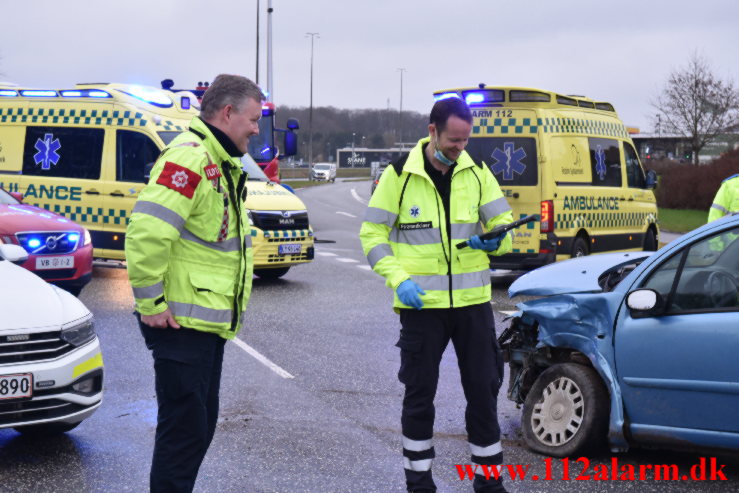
column 322, row 166
column 253, row 169
column 6, row 198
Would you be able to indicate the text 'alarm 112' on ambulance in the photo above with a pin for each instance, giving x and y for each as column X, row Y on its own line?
column 568, row 159
column 86, row 153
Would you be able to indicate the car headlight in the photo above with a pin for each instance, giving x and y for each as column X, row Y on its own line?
column 78, row 333
column 88, row 238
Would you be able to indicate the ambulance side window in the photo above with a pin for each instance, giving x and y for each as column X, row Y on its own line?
column 634, row 174
column 135, row 156
column 63, row 152
column 605, row 159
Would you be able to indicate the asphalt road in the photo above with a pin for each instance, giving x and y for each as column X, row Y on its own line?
column 317, row 413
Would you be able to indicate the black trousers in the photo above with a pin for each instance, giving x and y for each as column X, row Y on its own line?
column 187, row 365
column 424, row 336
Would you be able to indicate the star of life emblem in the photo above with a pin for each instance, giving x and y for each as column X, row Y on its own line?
column 179, row 179
column 415, row 211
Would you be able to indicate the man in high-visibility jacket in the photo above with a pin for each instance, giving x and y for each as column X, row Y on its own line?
column 189, row 259
column 726, row 200
column 424, row 204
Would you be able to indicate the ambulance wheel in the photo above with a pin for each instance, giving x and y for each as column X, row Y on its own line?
column 46, row 429
column 271, row 273
column 579, row 247
column 566, row 411
column 650, row 241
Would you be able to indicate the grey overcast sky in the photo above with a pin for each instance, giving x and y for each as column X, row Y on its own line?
column 618, row 51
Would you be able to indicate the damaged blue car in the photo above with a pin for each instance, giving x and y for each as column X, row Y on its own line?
column 627, row 349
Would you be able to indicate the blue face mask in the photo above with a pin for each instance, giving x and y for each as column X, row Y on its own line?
column 442, row 158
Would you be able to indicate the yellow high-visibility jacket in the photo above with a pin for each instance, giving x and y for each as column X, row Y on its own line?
column 188, row 244
column 726, row 200
column 404, row 233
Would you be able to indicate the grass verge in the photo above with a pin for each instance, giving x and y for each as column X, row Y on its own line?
column 681, row 220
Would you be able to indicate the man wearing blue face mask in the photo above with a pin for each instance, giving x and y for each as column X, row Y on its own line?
column 423, row 205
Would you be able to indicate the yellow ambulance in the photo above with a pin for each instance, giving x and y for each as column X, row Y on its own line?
column 569, row 159
column 86, row 153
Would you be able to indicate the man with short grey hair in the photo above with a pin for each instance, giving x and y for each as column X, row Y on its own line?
column 190, row 263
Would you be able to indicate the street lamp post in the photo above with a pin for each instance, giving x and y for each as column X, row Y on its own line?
column 310, row 111
column 400, row 113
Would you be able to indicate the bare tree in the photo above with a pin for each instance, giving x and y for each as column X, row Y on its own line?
column 698, row 105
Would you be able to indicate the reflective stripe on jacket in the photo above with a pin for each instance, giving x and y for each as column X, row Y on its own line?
column 404, row 233
column 188, row 243
column 726, row 200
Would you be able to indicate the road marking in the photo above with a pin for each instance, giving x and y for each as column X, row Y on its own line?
column 348, row 260
column 261, row 358
column 345, row 214
column 326, row 254
column 365, row 267
column 357, row 197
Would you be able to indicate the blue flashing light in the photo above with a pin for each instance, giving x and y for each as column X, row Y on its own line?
column 155, row 97
column 7, row 93
column 84, row 93
column 474, row 97
column 36, row 93
column 34, row 243
column 73, row 237
column 446, row 95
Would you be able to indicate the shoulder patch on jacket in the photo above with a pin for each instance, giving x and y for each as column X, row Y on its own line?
column 400, row 163
column 179, row 179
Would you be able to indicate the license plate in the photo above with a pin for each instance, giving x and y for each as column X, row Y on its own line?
column 54, row 262
column 16, row 386
column 289, row 249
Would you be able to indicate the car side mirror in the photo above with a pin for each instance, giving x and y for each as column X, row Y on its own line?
column 13, row 253
column 289, row 144
column 645, row 303
column 651, row 179
column 17, row 196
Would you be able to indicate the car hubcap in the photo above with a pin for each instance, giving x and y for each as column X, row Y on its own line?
column 558, row 415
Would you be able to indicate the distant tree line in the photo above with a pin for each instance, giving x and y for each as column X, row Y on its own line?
column 335, row 128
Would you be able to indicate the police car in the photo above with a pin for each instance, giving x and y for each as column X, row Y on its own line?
column 51, row 367
column 58, row 250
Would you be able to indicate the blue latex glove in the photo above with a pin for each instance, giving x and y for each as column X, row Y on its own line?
column 408, row 292
column 488, row 245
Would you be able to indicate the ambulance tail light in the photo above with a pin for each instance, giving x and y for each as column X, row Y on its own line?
column 547, row 217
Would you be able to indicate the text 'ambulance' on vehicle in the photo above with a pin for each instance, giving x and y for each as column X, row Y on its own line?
column 569, row 159
column 86, row 153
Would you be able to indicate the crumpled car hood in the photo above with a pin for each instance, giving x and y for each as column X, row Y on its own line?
column 577, row 275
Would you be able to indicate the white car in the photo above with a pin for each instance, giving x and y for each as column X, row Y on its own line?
column 323, row 172
column 51, row 367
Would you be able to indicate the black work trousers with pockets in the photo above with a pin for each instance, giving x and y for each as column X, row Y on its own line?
column 424, row 336
column 187, row 365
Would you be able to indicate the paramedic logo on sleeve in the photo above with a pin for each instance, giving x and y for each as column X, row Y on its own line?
column 47, row 155
column 179, row 179
column 415, row 211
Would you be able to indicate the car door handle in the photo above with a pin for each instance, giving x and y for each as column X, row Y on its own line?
column 92, row 191
column 116, row 194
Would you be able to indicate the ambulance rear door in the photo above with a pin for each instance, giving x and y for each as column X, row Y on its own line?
column 506, row 140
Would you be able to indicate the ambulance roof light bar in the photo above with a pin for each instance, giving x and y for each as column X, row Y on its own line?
column 8, row 93
column 155, row 97
column 38, row 93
